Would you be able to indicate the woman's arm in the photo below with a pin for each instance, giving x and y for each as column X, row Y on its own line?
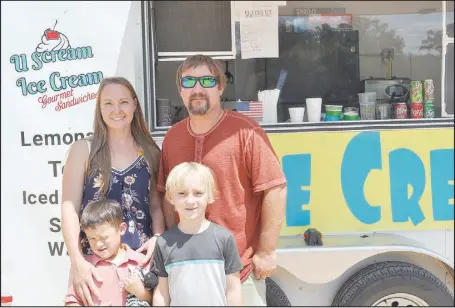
column 161, row 295
column 233, row 289
column 72, row 189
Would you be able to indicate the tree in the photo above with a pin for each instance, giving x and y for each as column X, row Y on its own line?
column 375, row 34
column 432, row 42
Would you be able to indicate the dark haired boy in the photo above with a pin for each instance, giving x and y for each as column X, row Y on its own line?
column 116, row 263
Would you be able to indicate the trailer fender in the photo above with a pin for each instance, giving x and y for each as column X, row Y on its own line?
column 323, row 264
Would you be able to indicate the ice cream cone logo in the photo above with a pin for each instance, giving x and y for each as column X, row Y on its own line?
column 53, row 40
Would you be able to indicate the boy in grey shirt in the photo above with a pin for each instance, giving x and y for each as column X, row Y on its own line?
column 197, row 261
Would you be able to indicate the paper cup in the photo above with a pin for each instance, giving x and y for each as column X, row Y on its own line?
column 313, row 106
column 296, row 114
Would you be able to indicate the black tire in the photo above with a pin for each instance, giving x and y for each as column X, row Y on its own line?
column 385, row 278
column 275, row 295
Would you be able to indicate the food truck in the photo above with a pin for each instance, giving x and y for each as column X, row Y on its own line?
column 372, row 172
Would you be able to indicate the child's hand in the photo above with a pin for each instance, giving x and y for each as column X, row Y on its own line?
column 133, row 285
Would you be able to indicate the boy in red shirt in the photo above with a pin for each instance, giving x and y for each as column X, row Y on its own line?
column 102, row 222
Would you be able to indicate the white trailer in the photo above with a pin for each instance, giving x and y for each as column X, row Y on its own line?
column 54, row 54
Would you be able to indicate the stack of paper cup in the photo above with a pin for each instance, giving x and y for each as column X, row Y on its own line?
column 269, row 99
column 296, row 114
column 313, row 107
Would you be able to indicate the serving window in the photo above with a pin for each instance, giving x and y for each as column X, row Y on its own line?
column 334, row 50
column 398, row 55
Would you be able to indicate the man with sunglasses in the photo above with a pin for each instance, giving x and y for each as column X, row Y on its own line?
column 252, row 186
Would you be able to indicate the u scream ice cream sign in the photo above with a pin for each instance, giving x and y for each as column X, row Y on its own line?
column 50, row 76
column 55, row 47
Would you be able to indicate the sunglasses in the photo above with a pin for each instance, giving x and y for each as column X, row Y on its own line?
column 204, row 81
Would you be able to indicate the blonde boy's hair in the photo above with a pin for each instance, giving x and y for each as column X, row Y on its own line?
column 178, row 174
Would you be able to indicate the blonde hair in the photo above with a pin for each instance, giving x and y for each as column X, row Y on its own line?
column 178, row 174
column 100, row 157
column 200, row 60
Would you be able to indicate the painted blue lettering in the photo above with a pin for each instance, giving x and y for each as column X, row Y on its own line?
column 32, row 87
column 362, row 154
column 406, row 168
column 441, row 162
column 20, row 62
column 47, row 57
column 36, row 58
column 297, row 169
column 52, row 77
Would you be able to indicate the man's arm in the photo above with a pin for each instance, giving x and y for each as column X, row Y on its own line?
column 169, row 213
column 156, row 213
column 266, row 175
column 167, row 209
column 273, row 210
column 272, row 216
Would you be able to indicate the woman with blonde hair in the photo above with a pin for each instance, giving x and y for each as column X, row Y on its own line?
column 120, row 162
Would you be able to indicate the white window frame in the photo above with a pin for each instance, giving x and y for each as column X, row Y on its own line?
column 446, row 40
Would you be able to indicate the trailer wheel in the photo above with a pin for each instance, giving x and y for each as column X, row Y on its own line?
column 275, row 296
column 393, row 284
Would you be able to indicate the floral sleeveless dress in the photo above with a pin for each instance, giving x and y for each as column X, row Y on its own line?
column 129, row 187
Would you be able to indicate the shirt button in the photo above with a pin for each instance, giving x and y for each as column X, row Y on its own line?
column 198, row 150
column 198, row 140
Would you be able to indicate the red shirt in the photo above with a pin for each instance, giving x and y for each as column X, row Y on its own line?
column 111, row 288
column 239, row 153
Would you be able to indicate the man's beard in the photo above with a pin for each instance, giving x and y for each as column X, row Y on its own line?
column 199, row 110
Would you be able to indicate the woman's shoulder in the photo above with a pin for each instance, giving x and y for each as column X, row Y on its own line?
column 79, row 150
column 82, row 145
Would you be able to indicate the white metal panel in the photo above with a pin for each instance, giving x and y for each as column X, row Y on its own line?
column 340, row 252
column 311, row 276
column 36, row 273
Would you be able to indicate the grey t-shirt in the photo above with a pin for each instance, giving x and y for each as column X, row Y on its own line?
column 197, row 264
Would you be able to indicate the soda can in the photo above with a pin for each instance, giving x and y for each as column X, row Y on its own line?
column 401, row 111
column 428, row 90
column 416, row 92
column 428, row 110
column 416, row 111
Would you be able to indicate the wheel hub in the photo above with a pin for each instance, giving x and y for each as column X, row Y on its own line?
column 400, row 300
